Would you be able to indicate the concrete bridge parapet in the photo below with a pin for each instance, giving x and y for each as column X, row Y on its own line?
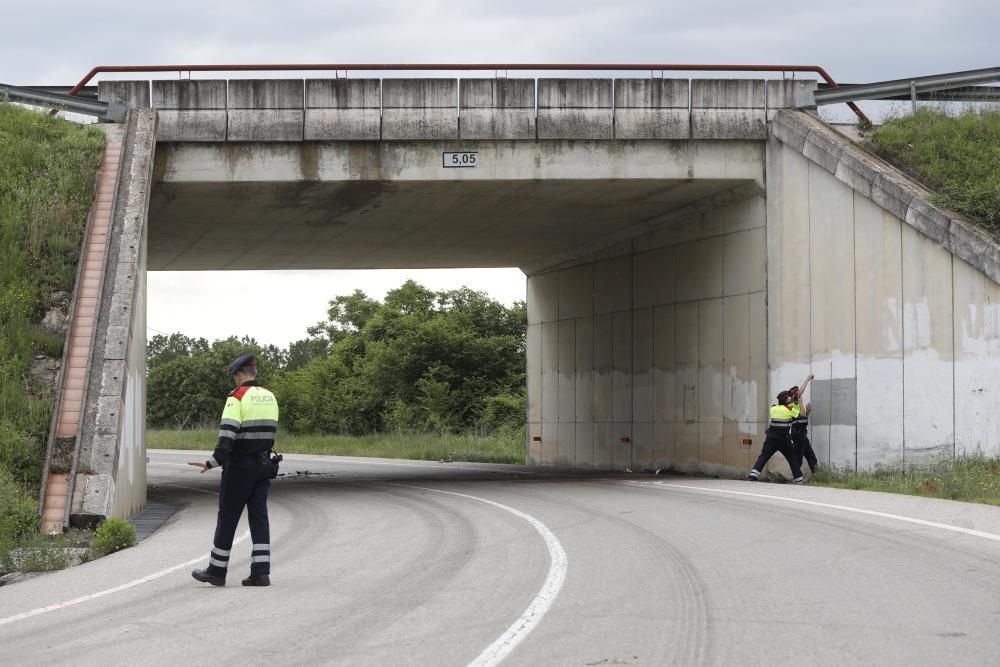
column 497, row 109
column 293, row 110
column 345, row 109
column 191, row 110
column 266, row 110
column 652, row 109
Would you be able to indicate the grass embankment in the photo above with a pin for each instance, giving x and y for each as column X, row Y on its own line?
column 956, row 156
column 47, row 171
column 421, row 446
column 971, row 479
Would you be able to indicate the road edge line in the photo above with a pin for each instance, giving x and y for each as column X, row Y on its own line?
column 108, row 591
column 815, row 503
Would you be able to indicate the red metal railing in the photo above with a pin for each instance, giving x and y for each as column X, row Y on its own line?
column 621, row 67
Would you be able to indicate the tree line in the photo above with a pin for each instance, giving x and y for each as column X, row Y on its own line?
column 419, row 360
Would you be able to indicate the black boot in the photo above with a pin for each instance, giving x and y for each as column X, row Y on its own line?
column 209, row 578
column 257, row 580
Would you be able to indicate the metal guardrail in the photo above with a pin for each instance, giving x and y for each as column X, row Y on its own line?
column 81, row 105
column 963, row 94
column 908, row 88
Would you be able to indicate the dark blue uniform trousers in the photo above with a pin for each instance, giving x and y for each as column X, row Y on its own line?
column 778, row 441
column 245, row 481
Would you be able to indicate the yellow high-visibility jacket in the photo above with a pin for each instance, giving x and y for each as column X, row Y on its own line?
column 249, row 423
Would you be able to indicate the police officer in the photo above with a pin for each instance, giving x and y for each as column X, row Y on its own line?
column 778, row 440
column 246, row 437
column 799, row 433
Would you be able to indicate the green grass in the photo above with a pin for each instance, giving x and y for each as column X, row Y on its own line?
column 956, row 156
column 421, row 446
column 973, row 479
column 47, row 172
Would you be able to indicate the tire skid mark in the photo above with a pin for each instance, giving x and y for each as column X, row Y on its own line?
column 519, row 630
column 693, row 633
column 437, row 558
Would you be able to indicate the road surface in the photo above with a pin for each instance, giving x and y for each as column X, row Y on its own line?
column 381, row 562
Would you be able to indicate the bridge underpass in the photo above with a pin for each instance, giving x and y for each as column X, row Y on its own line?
column 691, row 248
column 665, row 325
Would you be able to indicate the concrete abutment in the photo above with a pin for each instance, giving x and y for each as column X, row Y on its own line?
column 110, row 479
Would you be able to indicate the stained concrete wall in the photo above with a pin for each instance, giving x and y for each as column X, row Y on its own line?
column 111, row 459
column 892, row 309
column 652, row 354
column 281, row 110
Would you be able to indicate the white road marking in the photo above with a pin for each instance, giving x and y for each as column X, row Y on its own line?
column 496, row 652
column 108, row 591
column 884, row 515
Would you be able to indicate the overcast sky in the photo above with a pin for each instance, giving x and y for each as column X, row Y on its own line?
column 56, row 43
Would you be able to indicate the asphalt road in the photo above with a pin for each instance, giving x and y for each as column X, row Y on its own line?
column 412, row 563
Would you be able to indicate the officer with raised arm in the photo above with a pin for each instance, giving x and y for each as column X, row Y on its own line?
column 243, row 451
column 778, row 439
column 799, row 433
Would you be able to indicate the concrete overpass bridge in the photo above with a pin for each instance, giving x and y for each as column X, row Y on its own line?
column 691, row 246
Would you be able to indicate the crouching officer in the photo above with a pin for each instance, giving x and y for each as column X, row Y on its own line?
column 778, row 439
column 246, row 437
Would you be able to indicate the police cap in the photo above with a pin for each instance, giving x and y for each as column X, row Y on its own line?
column 242, row 361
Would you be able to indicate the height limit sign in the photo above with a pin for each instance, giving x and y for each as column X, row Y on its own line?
column 464, row 160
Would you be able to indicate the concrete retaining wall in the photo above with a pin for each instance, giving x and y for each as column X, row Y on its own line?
column 276, row 110
column 111, row 468
column 654, row 354
column 889, row 301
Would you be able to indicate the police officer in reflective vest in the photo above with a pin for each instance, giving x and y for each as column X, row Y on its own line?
column 800, row 426
column 778, row 439
column 249, row 426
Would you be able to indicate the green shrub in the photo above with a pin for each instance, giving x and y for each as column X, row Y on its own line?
column 503, row 413
column 113, row 535
column 20, row 454
column 18, row 510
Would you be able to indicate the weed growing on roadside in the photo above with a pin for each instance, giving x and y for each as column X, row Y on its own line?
column 971, row 478
column 111, row 536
